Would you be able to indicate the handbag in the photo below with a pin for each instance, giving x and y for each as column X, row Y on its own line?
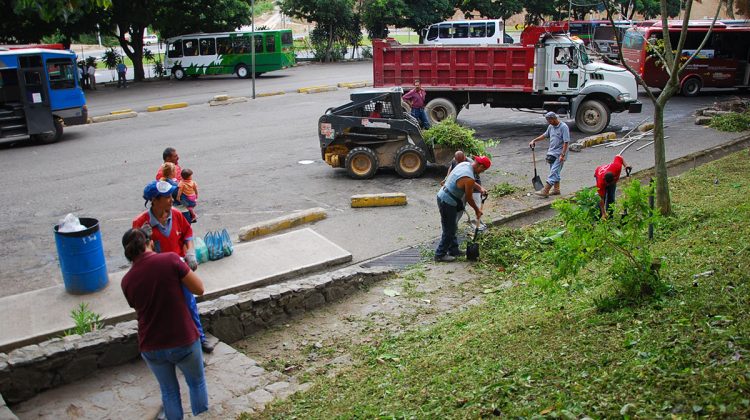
column 551, row 159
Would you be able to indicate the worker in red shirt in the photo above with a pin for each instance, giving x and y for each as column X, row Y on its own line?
column 606, row 183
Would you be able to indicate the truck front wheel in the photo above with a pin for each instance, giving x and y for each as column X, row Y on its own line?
column 592, row 117
column 410, row 161
column 439, row 109
column 361, row 163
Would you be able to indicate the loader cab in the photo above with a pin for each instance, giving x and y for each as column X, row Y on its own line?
column 564, row 60
column 367, row 100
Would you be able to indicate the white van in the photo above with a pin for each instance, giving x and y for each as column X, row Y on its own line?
column 467, row 32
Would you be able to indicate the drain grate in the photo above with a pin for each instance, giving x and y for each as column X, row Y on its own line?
column 398, row 259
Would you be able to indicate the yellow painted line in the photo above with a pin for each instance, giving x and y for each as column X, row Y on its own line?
column 305, row 89
column 280, row 223
column 379, row 200
column 262, row 95
column 121, row 111
column 113, row 117
column 221, row 97
column 153, row 108
column 322, row 89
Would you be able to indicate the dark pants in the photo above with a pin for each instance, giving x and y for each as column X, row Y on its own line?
column 121, row 79
column 448, row 241
column 609, row 198
column 421, row 116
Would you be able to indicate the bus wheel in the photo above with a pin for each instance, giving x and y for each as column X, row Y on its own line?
column 361, row 163
column 439, row 109
column 410, row 161
column 242, row 71
column 691, row 87
column 51, row 137
column 592, row 117
column 178, row 73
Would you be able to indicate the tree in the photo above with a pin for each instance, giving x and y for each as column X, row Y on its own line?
column 423, row 13
column 536, row 10
column 331, row 17
column 378, row 14
column 492, row 9
column 674, row 66
column 33, row 21
column 177, row 17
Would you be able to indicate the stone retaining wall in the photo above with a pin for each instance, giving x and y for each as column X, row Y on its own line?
column 26, row 371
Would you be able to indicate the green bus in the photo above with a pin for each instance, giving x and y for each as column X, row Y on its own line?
column 228, row 53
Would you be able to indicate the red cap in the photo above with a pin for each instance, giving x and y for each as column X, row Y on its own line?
column 484, row 161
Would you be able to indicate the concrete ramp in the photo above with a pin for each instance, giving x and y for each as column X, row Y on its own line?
column 30, row 317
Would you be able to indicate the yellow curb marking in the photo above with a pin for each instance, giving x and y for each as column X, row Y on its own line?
column 379, row 200
column 285, row 222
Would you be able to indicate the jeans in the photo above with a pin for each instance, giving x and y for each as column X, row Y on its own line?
column 190, row 361
column 448, row 241
column 193, row 309
column 421, row 116
column 609, row 198
column 121, row 80
column 554, row 172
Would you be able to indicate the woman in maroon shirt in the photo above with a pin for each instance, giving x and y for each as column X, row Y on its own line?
column 167, row 336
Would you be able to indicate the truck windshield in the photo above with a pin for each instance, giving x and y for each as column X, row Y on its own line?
column 584, row 56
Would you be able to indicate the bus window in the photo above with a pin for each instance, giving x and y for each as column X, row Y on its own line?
column 208, row 46
column 490, row 29
column 460, row 30
column 270, row 43
column 478, row 30
column 223, row 46
column 432, row 33
column 633, row 40
column 61, row 73
column 190, row 47
column 286, row 38
column 174, row 49
column 445, row 31
column 258, row 43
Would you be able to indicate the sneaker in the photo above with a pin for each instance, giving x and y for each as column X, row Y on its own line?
column 457, row 254
column 445, row 258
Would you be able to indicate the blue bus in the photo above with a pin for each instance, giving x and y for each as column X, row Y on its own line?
column 39, row 94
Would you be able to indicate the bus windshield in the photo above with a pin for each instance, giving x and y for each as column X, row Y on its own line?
column 633, row 40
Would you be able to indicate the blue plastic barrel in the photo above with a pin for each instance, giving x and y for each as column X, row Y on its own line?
column 81, row 256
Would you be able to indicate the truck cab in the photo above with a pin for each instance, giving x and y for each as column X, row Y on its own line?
column 592, row 90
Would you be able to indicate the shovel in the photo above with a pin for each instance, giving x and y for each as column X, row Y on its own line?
column 536, row 181
column 472, row 247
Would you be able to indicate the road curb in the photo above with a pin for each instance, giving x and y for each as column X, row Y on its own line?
column 354, row 85
column 265, row 94
column 259, row 229
column 121, row 111
column 378, row 200
column 317, row 89
column 154, row 108
column 114, row 117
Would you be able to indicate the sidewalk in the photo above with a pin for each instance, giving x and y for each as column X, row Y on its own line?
column 252, row 264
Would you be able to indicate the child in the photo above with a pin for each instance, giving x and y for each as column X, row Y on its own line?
column 168, row 174
column 188, row 192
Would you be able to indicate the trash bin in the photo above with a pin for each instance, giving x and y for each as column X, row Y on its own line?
column 81, row 256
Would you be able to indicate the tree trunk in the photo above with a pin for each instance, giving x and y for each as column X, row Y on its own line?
column 134, row 51
column 663, row 201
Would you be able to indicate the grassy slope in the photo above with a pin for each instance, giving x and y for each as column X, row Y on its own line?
column 542, row 348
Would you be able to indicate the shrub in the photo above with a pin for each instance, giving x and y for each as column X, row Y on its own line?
column 622, row 240
column 502, row 189
column 85, row 320
column 367, row 52
column 731, row 122
column 451, row 135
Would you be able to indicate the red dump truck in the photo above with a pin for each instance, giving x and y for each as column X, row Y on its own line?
column 547, row 70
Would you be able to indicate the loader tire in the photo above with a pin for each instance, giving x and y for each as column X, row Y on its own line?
column 411, row 161
column 361, row 163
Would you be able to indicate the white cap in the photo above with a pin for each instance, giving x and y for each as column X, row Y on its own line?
column 550, row 115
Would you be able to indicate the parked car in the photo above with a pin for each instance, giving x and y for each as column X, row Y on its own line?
column 150, row 39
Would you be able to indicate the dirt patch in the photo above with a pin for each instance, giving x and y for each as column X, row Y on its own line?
column 319, row 342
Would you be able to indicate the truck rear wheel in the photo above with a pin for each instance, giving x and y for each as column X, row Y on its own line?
column 361, row 163
column 410, row 161
column 592, row 117
column 439, row 109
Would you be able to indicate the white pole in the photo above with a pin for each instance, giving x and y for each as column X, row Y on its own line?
column 252, row 42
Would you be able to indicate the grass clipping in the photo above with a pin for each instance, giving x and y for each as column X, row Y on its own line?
column 451, row 135
column 540, row 349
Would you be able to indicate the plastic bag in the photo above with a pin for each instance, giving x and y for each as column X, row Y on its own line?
column 201, row 250
column 70, row 224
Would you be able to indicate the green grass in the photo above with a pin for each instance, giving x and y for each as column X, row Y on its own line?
column 541, row 348
column 731, row 122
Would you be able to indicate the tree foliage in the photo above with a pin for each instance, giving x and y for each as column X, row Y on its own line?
column 335, row 19
column 176, row 17
column 492, row 9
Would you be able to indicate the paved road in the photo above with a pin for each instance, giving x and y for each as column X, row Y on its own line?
column 251, row 162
